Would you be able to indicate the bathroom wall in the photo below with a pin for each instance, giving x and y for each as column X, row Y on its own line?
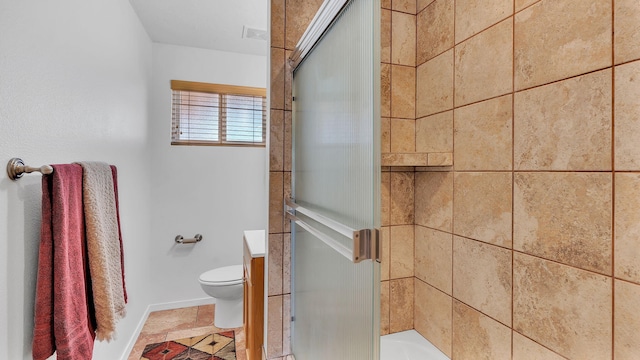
column 398, row 128
column 74, row 84
column 288, row 21
column 217, row 191
column 528, row 246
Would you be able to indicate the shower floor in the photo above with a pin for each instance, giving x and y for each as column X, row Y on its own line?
column 408, row 345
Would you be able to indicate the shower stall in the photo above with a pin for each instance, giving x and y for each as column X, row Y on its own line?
column 335, row 204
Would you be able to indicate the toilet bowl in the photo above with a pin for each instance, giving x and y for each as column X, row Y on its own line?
column 225, row 284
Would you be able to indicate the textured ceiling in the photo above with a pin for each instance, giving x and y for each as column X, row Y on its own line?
column 209, row 24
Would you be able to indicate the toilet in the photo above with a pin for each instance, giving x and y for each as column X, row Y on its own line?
column 225, row 284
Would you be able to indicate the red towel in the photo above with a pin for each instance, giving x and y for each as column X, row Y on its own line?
column 63, row 309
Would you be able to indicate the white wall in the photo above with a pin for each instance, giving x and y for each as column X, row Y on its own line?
column 74, row 79
column 212, row 190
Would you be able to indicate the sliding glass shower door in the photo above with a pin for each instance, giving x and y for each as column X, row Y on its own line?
column 335, row 205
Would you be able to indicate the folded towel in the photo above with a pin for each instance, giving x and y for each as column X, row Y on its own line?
column 104, row 247
column 63, row 306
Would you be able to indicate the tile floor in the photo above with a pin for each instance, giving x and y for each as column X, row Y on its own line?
column 181, row 323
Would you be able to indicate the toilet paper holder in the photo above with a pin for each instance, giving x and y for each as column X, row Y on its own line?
column 181, row 240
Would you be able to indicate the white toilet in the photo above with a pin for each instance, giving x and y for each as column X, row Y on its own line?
column 225, row 284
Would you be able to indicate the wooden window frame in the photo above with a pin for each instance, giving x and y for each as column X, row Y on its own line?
column 220, row 89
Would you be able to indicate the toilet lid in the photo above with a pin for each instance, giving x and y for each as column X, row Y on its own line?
column 224, row 275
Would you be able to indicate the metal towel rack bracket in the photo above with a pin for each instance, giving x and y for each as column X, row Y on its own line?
column 16, row 168
column 181, row 240
column 366, row 242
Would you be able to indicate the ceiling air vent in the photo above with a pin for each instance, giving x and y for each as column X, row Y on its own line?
column 256, row 34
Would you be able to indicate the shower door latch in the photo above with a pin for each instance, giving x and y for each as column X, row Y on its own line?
column 366, row 245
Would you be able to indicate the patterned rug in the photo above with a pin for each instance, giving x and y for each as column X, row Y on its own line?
column 217, row 346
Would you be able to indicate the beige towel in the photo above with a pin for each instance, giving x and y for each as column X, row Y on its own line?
column 103, row 245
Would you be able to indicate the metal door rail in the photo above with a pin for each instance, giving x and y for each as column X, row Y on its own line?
column 365, row 241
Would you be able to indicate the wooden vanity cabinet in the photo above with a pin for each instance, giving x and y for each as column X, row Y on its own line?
column 253, row 304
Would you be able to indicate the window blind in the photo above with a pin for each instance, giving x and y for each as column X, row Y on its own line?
column 214, row 114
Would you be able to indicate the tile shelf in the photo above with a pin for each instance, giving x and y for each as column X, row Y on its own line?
column 417, row 159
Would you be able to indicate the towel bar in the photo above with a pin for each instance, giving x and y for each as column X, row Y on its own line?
column 180, row 240
column 16, row 167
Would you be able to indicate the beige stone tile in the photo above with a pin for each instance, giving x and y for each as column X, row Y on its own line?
column 432, row 317
column 385, row 135
column 205, row 315
column 435, row 133
column 286, row 180
column 276, row 203
column 385, row 199
column 401, row 294
column 434, row 200
column 483, row 135
column 277, row 23
column 627, row 226
column 521, row 4
column 483, row 65
column 384, row 308
column 277, row 78
column 440, row 159
column 434, row 258
column 627, row 116
column 402, row 192
column 276, row 141
column 408, row 6
column 403, row 135
column 298, row 16
column 403, row 92
column 565, row 125
column 626, row 342
column 482, row 207
column 473, row 16
column 287, row 140
column 403, row 39
column 288, row 81
column 626, row 31
column 477, row 336
column 550, row 35
column 385, row 90
column 286, row 264
column 385, row 36
column 165, row 320
column 405, row 159
column 385, row 4
column 191, row 332
column 482, row 274
column 401, row 246
column 435, row 85
column 527, row 349
column 422, row 4
column 274, row 266
column 567, row 310
column 434, row 30
column 274, row 326
column 286, row 324
column 565, row 217
column 385, row 258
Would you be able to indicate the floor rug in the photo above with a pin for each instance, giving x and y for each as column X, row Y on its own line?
column 216, row 346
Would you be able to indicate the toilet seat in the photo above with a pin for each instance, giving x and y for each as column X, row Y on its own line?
column 227, row 275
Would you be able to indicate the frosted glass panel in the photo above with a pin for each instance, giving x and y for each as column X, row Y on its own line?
column 337, row 174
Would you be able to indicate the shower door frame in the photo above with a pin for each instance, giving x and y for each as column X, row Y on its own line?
column 366, row 241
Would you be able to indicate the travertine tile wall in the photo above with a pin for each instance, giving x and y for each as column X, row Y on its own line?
column 289, row 19
column 398, row 128
column 529, row 246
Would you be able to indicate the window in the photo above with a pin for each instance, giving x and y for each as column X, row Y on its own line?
column 213, row 114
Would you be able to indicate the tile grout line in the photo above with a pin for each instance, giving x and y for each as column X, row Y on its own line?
column 613, row 184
